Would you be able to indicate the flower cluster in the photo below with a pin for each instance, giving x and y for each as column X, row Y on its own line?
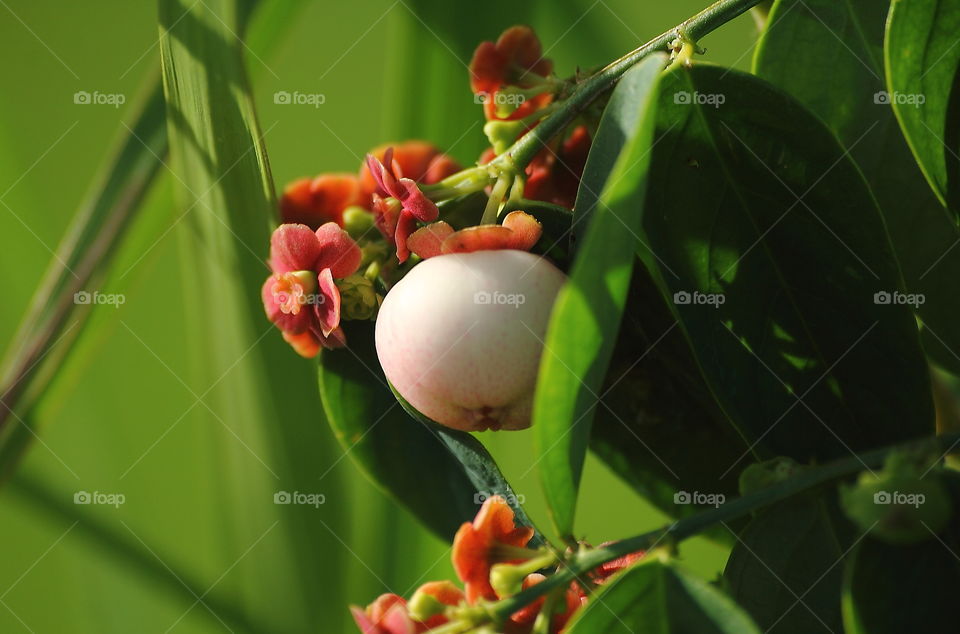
column 332, row 258
column 512, row 72
column 492, row 558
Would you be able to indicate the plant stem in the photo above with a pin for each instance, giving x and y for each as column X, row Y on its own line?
column 522, row 152
column 587, row 560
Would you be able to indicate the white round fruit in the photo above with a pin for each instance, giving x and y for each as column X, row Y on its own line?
column 460, row 336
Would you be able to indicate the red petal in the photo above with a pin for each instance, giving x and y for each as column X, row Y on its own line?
column 480, row 238
column 327, row 307
column 488, row 69
column 416, row 202
column 526, row 230
column 406, row 225
column 521, row 46
column 338, row 251
column 305, row 344
column 293, row 247
column 364, row 622
column 426, row 241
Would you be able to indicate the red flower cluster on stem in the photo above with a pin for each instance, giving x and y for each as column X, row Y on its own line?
column 489, row 555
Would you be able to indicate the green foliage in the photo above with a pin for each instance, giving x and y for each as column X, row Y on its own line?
column 830, row 56
column 783, row 568
column 440, row 474
column 757, row 209
column 659, row 597
column 922, row 63
column 586, row 316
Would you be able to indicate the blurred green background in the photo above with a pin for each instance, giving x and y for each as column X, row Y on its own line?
column 198, row 536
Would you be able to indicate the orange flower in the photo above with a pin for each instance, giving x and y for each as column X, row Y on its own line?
column 524, row 618
column 491, row 538
column 419, row 161
column 314, row 202
column 515, row 60
column 519, row 231
column 390, row 613
column 555, row 177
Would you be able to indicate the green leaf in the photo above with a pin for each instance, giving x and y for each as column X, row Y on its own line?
column 922, row 63
column 586, row 315
column 777, row 295
column 658, row 598
column 783, row 569
column 439, row 474
column 889, row 588
column 829, row 55
column 660, row 428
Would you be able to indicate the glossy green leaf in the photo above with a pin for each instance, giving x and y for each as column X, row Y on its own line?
column 586, row 315
column 783, row 569
column 922, row 74
column 660, row 599
column 477, row 463
column 440, row 475
column 829, row 55
column 890, row 588
column 777, row 295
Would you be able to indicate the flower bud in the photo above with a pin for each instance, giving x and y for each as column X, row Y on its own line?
column 358, row 298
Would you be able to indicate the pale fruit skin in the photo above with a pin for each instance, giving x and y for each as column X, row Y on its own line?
column 464, row 363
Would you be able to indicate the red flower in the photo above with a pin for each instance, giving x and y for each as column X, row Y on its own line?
column 555, row 177
column 524, row 618
column 386, row 615
column 519, row 231
column 491, row 538
column 319, row 200
column 610, row 568
column 419, row 161
column 300, row 296
column 414, row 205
column 515, row 60
column 389, row 613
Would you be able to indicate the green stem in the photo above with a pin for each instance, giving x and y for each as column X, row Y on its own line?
column 588, row 560
column 714, row 16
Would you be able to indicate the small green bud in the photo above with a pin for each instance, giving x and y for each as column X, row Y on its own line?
column 896, row 508
column 358, row 298
column 423, row 606
column 358, row 222
column 502, row 134
column 764, row 474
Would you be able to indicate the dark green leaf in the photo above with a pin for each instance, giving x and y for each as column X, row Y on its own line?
column 888, row 589
column 922, row 62
column 829, row 55
column 668, row 435
column 783, row 569
column 755, row 208
column 586, row 315
column 439, row 474
column 657, row 598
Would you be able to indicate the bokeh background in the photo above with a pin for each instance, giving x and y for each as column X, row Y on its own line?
column 198, row 545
